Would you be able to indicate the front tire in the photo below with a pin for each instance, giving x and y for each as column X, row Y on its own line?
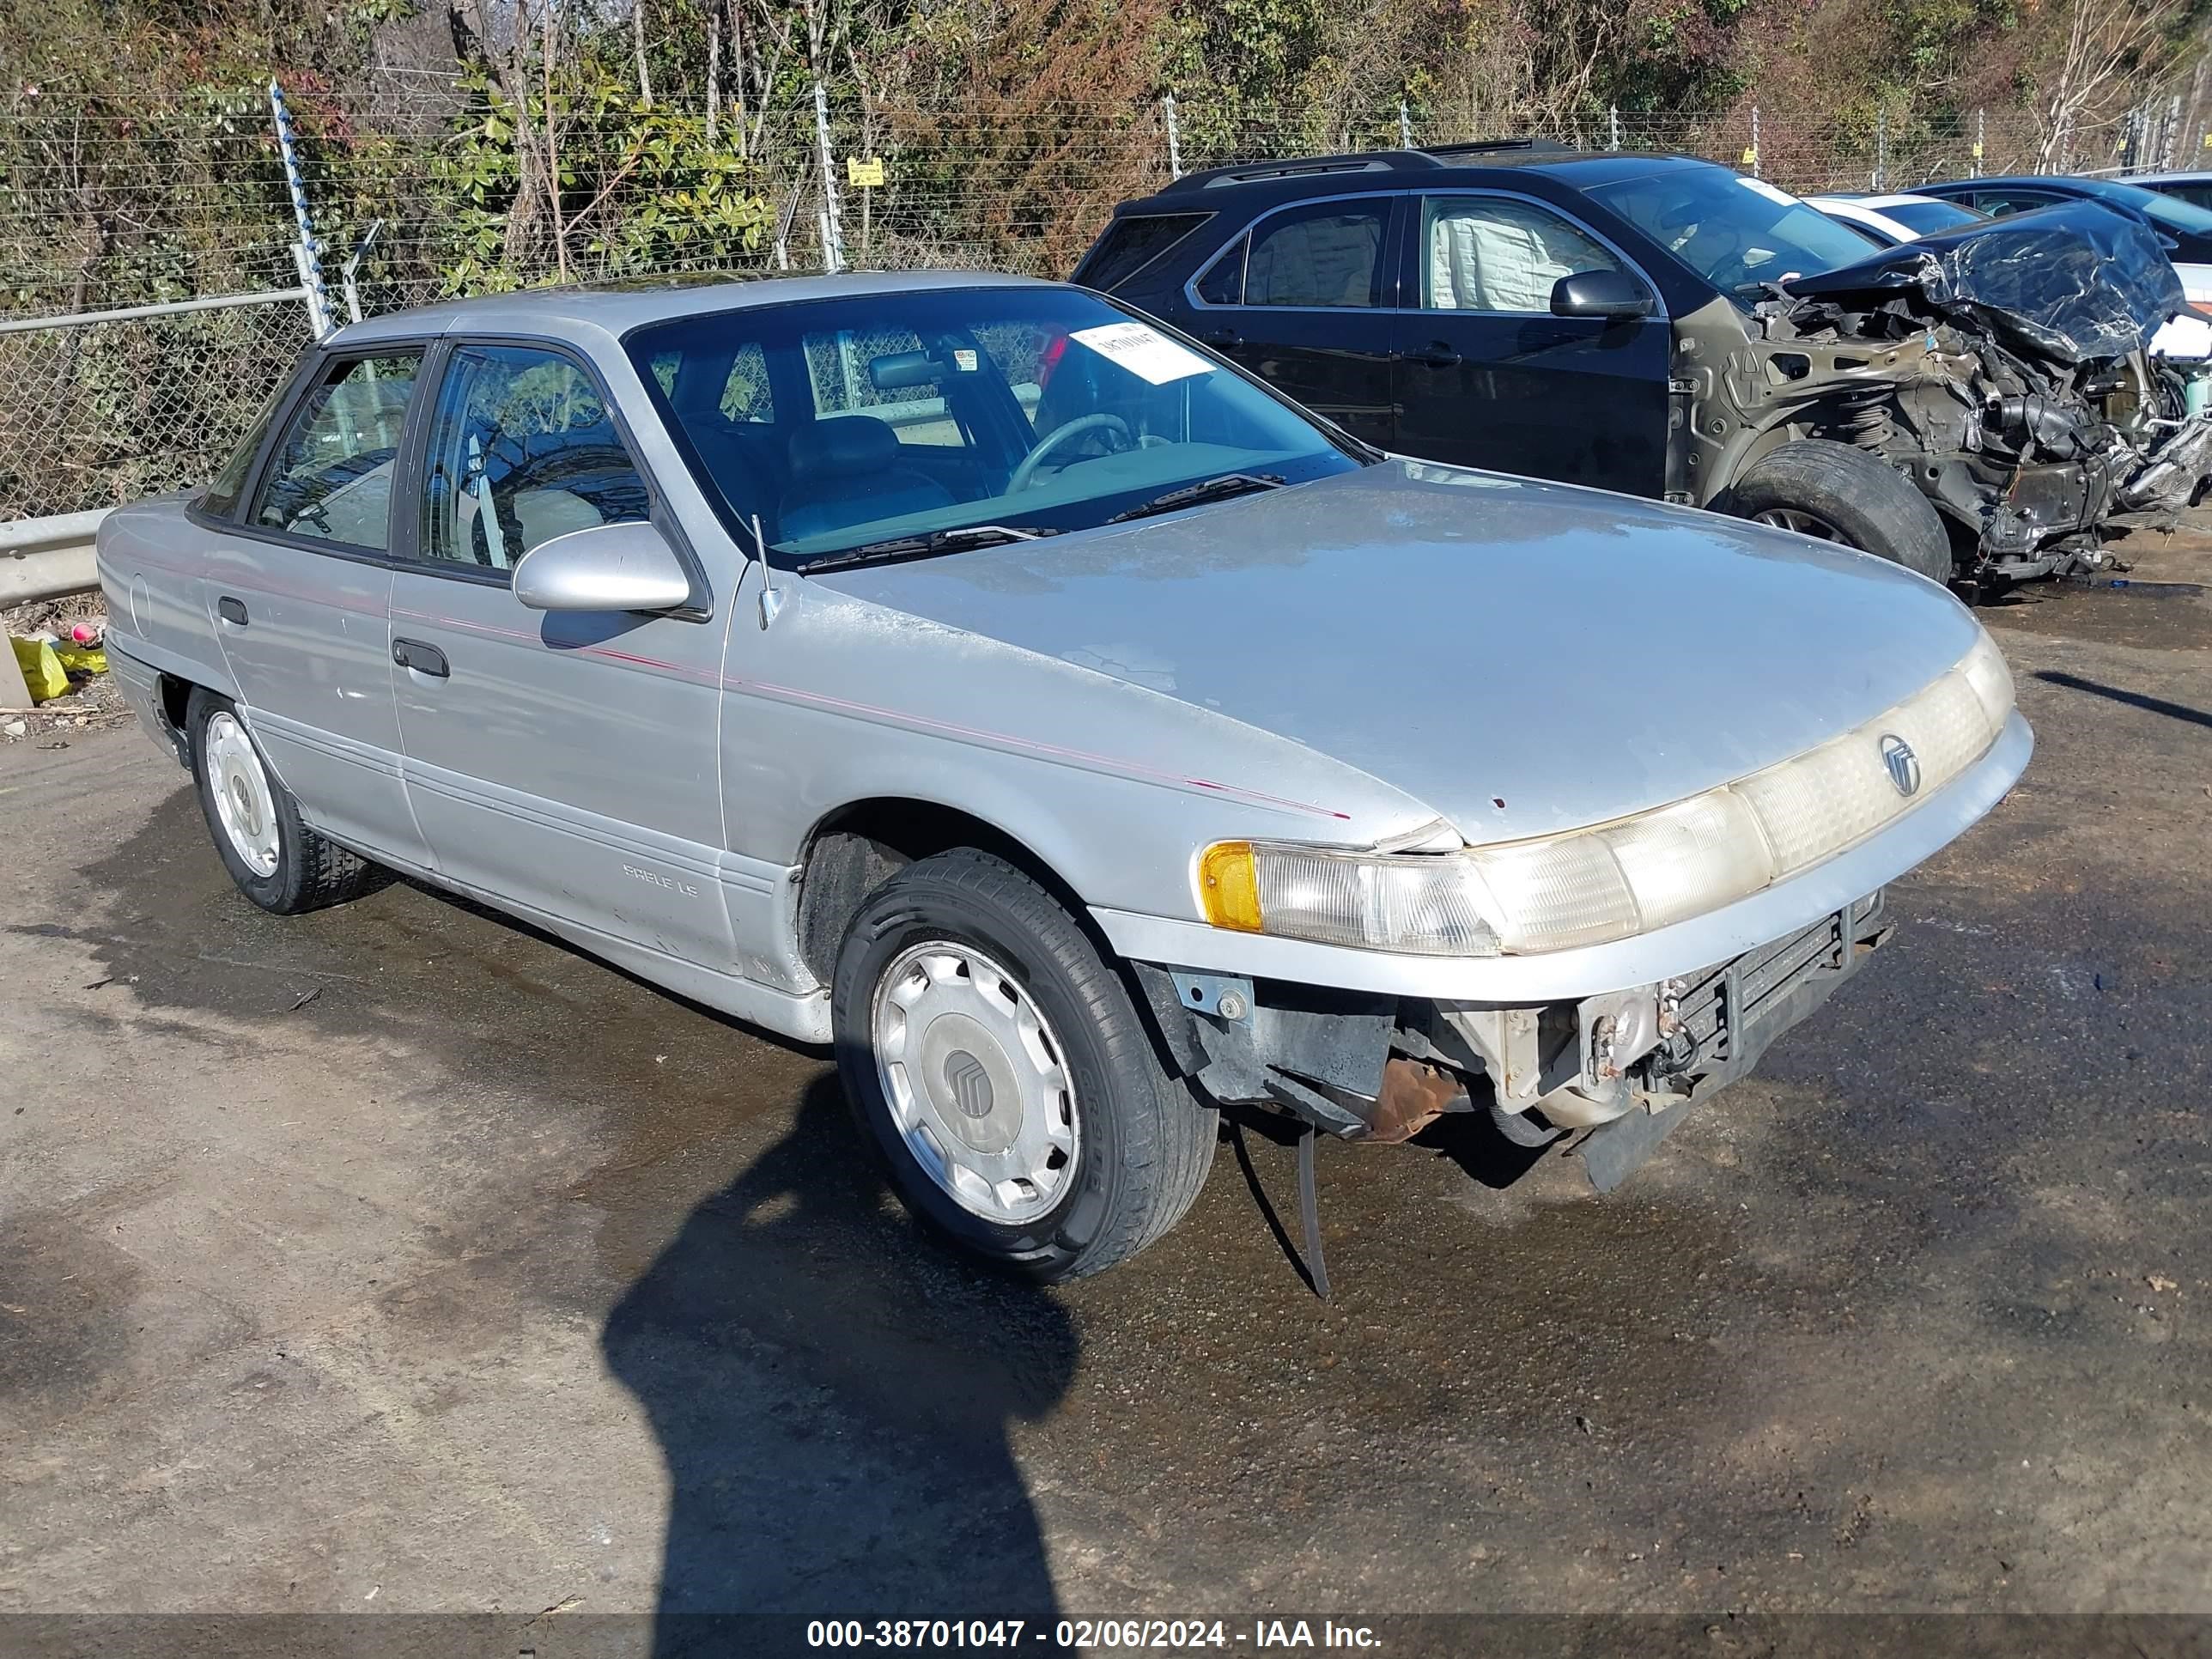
column 999, row 1065
column 1835, row 493
column 277, row 860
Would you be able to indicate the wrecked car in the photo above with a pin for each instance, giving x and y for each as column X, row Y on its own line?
column 2015, row 379
column 1074, row 734
column 1624, row 320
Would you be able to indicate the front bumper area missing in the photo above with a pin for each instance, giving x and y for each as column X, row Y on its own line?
column 1625, row 1066
column 1727, row 1018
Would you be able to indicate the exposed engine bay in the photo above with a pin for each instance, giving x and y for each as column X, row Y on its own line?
column 2003, row 368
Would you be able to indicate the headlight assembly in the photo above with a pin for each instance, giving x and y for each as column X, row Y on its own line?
column 1614, row 880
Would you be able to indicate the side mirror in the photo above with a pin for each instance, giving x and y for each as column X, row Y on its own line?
column 1613, row 294
column 605, row 567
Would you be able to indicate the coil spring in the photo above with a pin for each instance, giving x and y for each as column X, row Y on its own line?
column 1867, row 423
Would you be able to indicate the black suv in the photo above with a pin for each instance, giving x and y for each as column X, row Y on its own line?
column 1607, row 318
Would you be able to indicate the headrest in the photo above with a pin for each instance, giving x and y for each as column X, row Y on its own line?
column 843, row 444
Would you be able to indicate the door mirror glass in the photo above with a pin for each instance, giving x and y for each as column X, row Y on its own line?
column 1614, row 294
column 611, row 567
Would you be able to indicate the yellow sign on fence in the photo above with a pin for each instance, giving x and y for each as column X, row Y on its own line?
column 861, row 174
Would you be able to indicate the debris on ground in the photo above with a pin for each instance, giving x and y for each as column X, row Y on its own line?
column 57, row 644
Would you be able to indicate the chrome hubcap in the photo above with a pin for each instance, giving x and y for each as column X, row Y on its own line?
column 242, row 802
column 976, row 1081
column 1804, row 523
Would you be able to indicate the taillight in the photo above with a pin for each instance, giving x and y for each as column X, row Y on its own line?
column 1055, row 349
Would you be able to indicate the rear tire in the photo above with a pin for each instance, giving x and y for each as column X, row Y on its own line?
column 1836, row 493
column 277, row 860
column 963, row 990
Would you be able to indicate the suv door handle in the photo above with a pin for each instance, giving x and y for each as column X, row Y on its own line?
column 422, row 659
column 1437, row 354
column 231, row 610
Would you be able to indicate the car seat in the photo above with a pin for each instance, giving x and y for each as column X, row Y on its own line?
column 845, row 470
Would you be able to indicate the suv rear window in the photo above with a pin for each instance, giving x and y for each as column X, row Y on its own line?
column 1130, row 244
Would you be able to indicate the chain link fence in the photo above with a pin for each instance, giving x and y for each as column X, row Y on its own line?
column 434, row 187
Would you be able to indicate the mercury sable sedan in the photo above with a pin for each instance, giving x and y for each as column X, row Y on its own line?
column 968, row 674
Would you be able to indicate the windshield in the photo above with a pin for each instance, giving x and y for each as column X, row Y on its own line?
column 1925, row 218
column 840, row 423
column 2158, row 208
column 1735, row 232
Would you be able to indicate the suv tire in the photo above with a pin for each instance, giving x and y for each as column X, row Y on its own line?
column 277, row 860
column 1836, row 493
column 979, row 1034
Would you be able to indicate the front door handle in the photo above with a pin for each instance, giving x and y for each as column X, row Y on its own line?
column 1222, row 337
column 231, row 610
column 1436, row 354
column 422, row 659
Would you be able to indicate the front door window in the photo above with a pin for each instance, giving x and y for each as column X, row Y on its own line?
column 1490, row 253
column 523, row 448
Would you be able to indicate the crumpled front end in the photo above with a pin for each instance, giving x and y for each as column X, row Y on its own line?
column 2004, row 370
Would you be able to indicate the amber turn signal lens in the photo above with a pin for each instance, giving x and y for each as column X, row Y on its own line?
column 1229, row 886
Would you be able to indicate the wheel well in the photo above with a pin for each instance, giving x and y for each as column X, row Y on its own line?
column 859, row 848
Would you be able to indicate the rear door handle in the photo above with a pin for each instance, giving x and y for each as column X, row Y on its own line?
column 231, row 610
column 1222, row 337
column 1437, row 354
column 422, row 659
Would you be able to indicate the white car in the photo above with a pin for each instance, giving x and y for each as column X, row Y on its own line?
column 1888, row 220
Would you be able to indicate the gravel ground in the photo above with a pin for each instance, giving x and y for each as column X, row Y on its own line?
column 397, row 1258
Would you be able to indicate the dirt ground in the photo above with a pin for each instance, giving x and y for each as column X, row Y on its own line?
column 397, row 1259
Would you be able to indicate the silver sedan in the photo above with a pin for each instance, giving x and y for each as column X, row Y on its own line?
column 968, row 674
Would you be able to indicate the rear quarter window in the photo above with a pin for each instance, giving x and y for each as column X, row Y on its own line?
column 221, row 499
column 1130, row 244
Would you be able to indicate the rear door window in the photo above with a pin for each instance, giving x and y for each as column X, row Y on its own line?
column 1329, row 254
column 2004, row 201
column 331, row 478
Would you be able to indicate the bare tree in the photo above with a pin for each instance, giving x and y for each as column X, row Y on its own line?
column 2102, row 48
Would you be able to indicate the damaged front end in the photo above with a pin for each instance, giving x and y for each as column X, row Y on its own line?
column 2003, row 368
column 1624, row 1067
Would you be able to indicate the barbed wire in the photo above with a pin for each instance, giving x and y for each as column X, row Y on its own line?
column 103, row 208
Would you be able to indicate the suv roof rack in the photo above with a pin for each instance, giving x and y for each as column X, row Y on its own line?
column 1502, row 146
column 1379, row 161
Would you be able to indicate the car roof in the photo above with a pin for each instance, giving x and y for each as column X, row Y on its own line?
column 2046, row 179
column 2155, row 178
column 1503, row 162
column 615, row 308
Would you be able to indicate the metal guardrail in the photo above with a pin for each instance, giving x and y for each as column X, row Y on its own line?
column 133, row 313
column 48, row 558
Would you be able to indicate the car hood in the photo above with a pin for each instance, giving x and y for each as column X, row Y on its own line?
column 1522, row 657
column 2068, row 284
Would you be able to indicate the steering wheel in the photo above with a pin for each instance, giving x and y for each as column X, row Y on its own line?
column 1025, row 474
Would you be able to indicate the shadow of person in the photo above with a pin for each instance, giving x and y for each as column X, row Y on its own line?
column 833, row 1394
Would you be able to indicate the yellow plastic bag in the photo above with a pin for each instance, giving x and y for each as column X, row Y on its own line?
column 77, row 659
column 42, row 669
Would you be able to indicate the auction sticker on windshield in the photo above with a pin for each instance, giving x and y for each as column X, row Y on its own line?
column 1145, row 353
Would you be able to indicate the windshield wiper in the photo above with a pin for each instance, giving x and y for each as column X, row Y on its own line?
column 921, row 547
column 1206, row 490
